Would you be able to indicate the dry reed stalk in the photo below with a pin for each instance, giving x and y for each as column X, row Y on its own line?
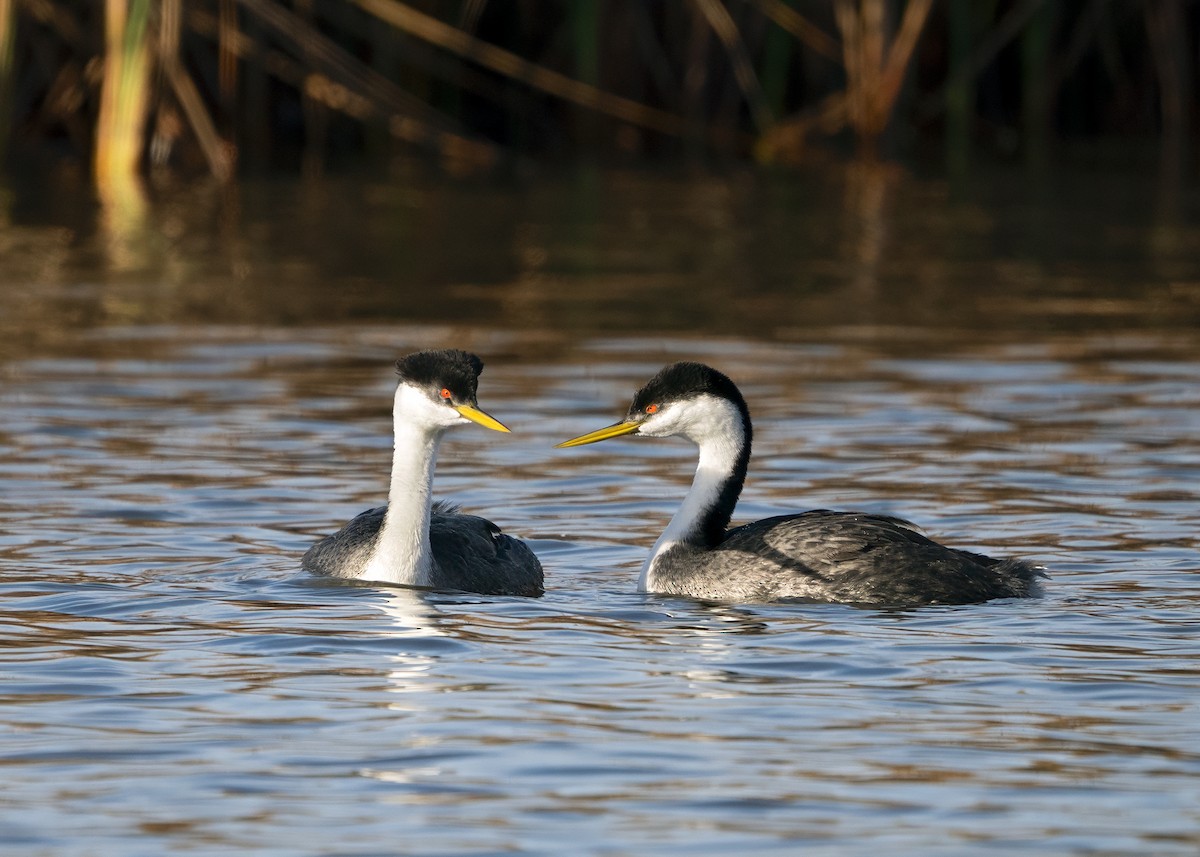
column 875, row 70
column 125, row 91
column 787, row 141
column 804, row 31
column 1173, row 61
column 727, row 31
column 8, row 31
column 997, row 37
column 449, row 38
column 341, row 82
column 219, row 155
column 227, row 64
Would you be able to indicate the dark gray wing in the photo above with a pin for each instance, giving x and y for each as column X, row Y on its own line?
column 347, row 552
column 876, row 559
column 473, row 555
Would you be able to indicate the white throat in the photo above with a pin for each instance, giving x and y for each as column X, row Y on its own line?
column 402, row 552
column 715, row 426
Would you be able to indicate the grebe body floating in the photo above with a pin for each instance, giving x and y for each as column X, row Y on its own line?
column 413, row 540
column 822, row 555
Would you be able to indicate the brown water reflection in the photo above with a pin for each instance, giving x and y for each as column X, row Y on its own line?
column 865, row 252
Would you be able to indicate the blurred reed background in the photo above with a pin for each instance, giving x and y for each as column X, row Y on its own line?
column 228, row 86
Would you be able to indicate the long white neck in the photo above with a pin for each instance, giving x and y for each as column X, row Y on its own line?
column 710, row 501
column 402, row 552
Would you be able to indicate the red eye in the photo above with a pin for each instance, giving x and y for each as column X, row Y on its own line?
column 446, row 393
column 652, row 409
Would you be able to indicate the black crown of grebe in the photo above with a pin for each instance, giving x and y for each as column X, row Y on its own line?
column 413, row 540
column 849, row 557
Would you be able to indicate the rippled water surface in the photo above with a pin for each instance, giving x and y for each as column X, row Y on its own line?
column 183, row 410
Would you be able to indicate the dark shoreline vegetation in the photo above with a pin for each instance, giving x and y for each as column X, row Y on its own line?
column 228, row 87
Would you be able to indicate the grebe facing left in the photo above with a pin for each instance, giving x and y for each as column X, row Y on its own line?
column 849, row 557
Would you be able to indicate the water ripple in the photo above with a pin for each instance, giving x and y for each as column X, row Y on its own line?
column 172, row 681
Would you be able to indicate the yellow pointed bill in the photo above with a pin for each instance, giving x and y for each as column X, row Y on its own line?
column 626, row 427
column 477, row 416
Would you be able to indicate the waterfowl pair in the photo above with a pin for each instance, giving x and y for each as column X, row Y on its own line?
column 823, row 555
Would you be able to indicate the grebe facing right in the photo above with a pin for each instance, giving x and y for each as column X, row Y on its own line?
column 847, row 557
column 412, row 540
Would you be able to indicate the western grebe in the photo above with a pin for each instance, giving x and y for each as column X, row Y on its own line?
column 413, row 540
column 850, row 557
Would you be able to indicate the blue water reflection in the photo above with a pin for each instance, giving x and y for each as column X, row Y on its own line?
column 174, row 684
